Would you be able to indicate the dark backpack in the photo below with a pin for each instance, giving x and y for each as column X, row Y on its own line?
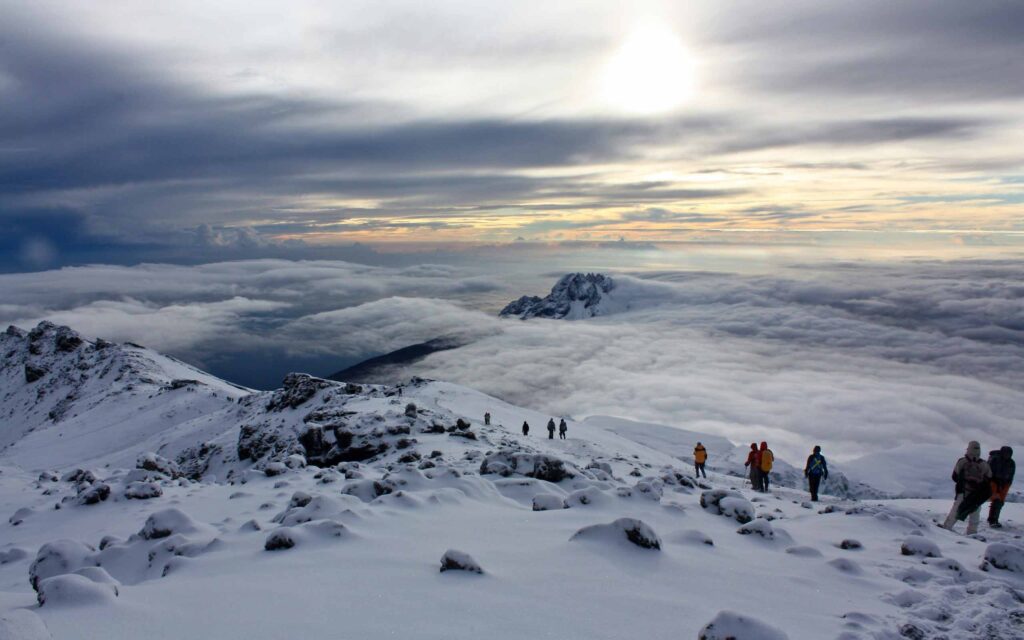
column 816, row 465
column 1003, row 468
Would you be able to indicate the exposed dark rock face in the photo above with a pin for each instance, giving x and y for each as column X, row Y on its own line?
column 296, row 389
column 583, row 291
column 33, row 372
column 542, row 467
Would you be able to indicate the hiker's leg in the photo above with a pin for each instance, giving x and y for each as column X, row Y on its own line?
column 973, row 520
column 951, row 518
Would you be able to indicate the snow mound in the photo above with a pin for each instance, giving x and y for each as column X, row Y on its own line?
column 635, row 531
column 169, row 521
column 693, row 536
column 22, row 624
column 574, row 297
column 143, row 491
column 920, row 546
column 287, row 537
column 58, row 557
column 454, row 560
column 734, row 626
column 543, row 467
column 548, row 502
column 730, row 504
column 1005, row 556
column 74, row 590
column 761, row 528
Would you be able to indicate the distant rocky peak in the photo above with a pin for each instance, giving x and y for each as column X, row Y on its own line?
column 575, row 296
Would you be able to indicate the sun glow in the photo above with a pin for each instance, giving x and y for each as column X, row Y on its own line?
column 651, row 72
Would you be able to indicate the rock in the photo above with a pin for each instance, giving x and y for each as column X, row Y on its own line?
column 169, row 521
column 275, row 469
column 920, row 546
column 143, row 491
column 313, row 441
column 296, row 389
column 548, row 502
column 56, row 558
column 78, row 476
column 1004, row 556
column 733, row 626
column 23, row 624
column 74, row 590
column 93, row 494
column 851, row 544
column 33, row 372
column 728, row 503
column 152, row 462
column 453, row 560
column 66, row 339
column 281, row 538
column 19, row 516
column 532, row 465
column 12, row 555
column 635, row 531
column 574, row 296
column 411, row 410
column 761, row 528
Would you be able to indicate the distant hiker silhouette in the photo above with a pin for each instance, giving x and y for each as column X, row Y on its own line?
column 767, row 460
column 700, row 456
column 815, row 471
column 754, row 462
column 487, row 418
column 562, row 428
column 973, row 479
column 551, row 429
column 1003, row 468
column 526, row 428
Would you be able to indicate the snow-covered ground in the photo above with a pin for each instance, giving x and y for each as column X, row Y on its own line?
column 324, row 510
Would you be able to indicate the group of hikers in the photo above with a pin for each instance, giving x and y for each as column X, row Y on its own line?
column 978, row 481
column 562, row 429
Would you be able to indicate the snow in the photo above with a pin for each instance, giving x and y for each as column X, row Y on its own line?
column 354, row 544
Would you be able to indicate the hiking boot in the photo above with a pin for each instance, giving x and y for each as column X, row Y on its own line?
column 995, row 525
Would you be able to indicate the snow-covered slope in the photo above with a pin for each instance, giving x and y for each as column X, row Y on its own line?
column 326, row 509
column 575, row 296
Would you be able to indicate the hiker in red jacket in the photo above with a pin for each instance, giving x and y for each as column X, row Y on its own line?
column 754, row 462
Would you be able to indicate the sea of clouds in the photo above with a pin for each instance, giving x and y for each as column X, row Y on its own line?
column 858, row 357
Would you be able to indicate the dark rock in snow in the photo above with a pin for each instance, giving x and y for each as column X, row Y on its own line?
column 734, row 626
column 532, row 465
column 94, row 493
column 66, row 339
column 56, row 558
column 575, row 295
column 33, row 372
column 1004, row 556
column 920, row 546
column 296, row 389
column 548, row 502
column 282, row 538
column 453, row 560
column 635, row 531
column 150, row 461
column 851, row 544
column 164, row 523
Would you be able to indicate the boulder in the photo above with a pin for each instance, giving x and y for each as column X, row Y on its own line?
column 761, row 528
column 93, row 494
column 1004, row 556
column 33, row 372
column 632, row 530
column 74, row 590
column 920, row 546
column 728, row 625
column 58, row 557
column 143, row 491
column 153, row 462
column 453, row 560
column 166, row 522
column 532, row 465
column 548, row 502
column 728, row 503
column 281, row 538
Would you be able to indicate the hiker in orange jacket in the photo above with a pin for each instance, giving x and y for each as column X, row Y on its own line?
column 700, row 456
column 767, row 460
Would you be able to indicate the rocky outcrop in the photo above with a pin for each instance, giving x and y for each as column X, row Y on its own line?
column 574, row 296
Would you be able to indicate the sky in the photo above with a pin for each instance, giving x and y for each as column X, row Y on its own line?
column 817, row 206
column 194, row 131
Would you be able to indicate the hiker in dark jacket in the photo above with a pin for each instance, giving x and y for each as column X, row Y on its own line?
column 973, row 477
column 754, row 462
column 526, row 428
column 562, row 428
column 1003, row 467
column 700, row 458
column 551, row 429
column 815, row 471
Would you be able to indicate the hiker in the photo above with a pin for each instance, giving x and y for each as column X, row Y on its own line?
column 815, row 471
column 551, row 429
column 754, row 462
column 1003, row 467
column 700, row 456
column 487, row 418
column 562, row 428
column 972, row 476
column 767, row 459
column 526, row 428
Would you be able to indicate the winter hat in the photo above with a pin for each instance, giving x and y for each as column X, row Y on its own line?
column 973, row 449
column 817, row 449
column 753, row 445
column 764, row 445
column 1007, row 451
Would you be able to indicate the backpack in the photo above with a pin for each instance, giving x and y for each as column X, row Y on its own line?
column 1002, row 468
column 816, row 466
column 973, row 472
column 767, row 458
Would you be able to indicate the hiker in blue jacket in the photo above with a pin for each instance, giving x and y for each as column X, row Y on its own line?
column 815, row 471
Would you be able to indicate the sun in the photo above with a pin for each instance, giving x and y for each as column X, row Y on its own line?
column 651, row 72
